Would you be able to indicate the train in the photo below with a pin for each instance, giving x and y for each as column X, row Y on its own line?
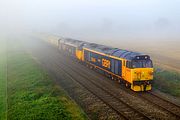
column 133, row 69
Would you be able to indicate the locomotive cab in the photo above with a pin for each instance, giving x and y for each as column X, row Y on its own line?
column 139, row 72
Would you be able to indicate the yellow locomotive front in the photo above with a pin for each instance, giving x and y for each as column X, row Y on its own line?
column 139, row 73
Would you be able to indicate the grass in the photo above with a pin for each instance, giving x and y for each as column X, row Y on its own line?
column 167, row 81
column 3, row 82
column 31, row 92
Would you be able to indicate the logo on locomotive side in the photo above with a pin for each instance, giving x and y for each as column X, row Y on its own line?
column 106, row 63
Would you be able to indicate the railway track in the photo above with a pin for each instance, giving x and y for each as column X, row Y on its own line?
column 158, row 102
column 161, row 103
column 120, row 107
column 112, row 97
column 173, row 110
column 71, row 85
column 106, row 96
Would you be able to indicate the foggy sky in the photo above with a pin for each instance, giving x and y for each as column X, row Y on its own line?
column 93, row 19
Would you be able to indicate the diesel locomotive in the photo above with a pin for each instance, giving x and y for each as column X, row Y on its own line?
column 133, row 69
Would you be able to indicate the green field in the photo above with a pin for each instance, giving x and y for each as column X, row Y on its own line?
column 31, row 92
column 167, row 81
column 3, row 80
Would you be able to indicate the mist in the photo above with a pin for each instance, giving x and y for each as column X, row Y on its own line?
column 93, row 19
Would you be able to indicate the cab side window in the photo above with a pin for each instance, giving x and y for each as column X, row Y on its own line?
column 128, row 64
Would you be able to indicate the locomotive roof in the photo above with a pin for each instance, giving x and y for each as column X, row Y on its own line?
column 129, row 55
column 73, row 41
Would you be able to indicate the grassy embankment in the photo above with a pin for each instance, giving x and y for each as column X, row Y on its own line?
column 3, row 80
column 32, row 94
column 167, row 81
